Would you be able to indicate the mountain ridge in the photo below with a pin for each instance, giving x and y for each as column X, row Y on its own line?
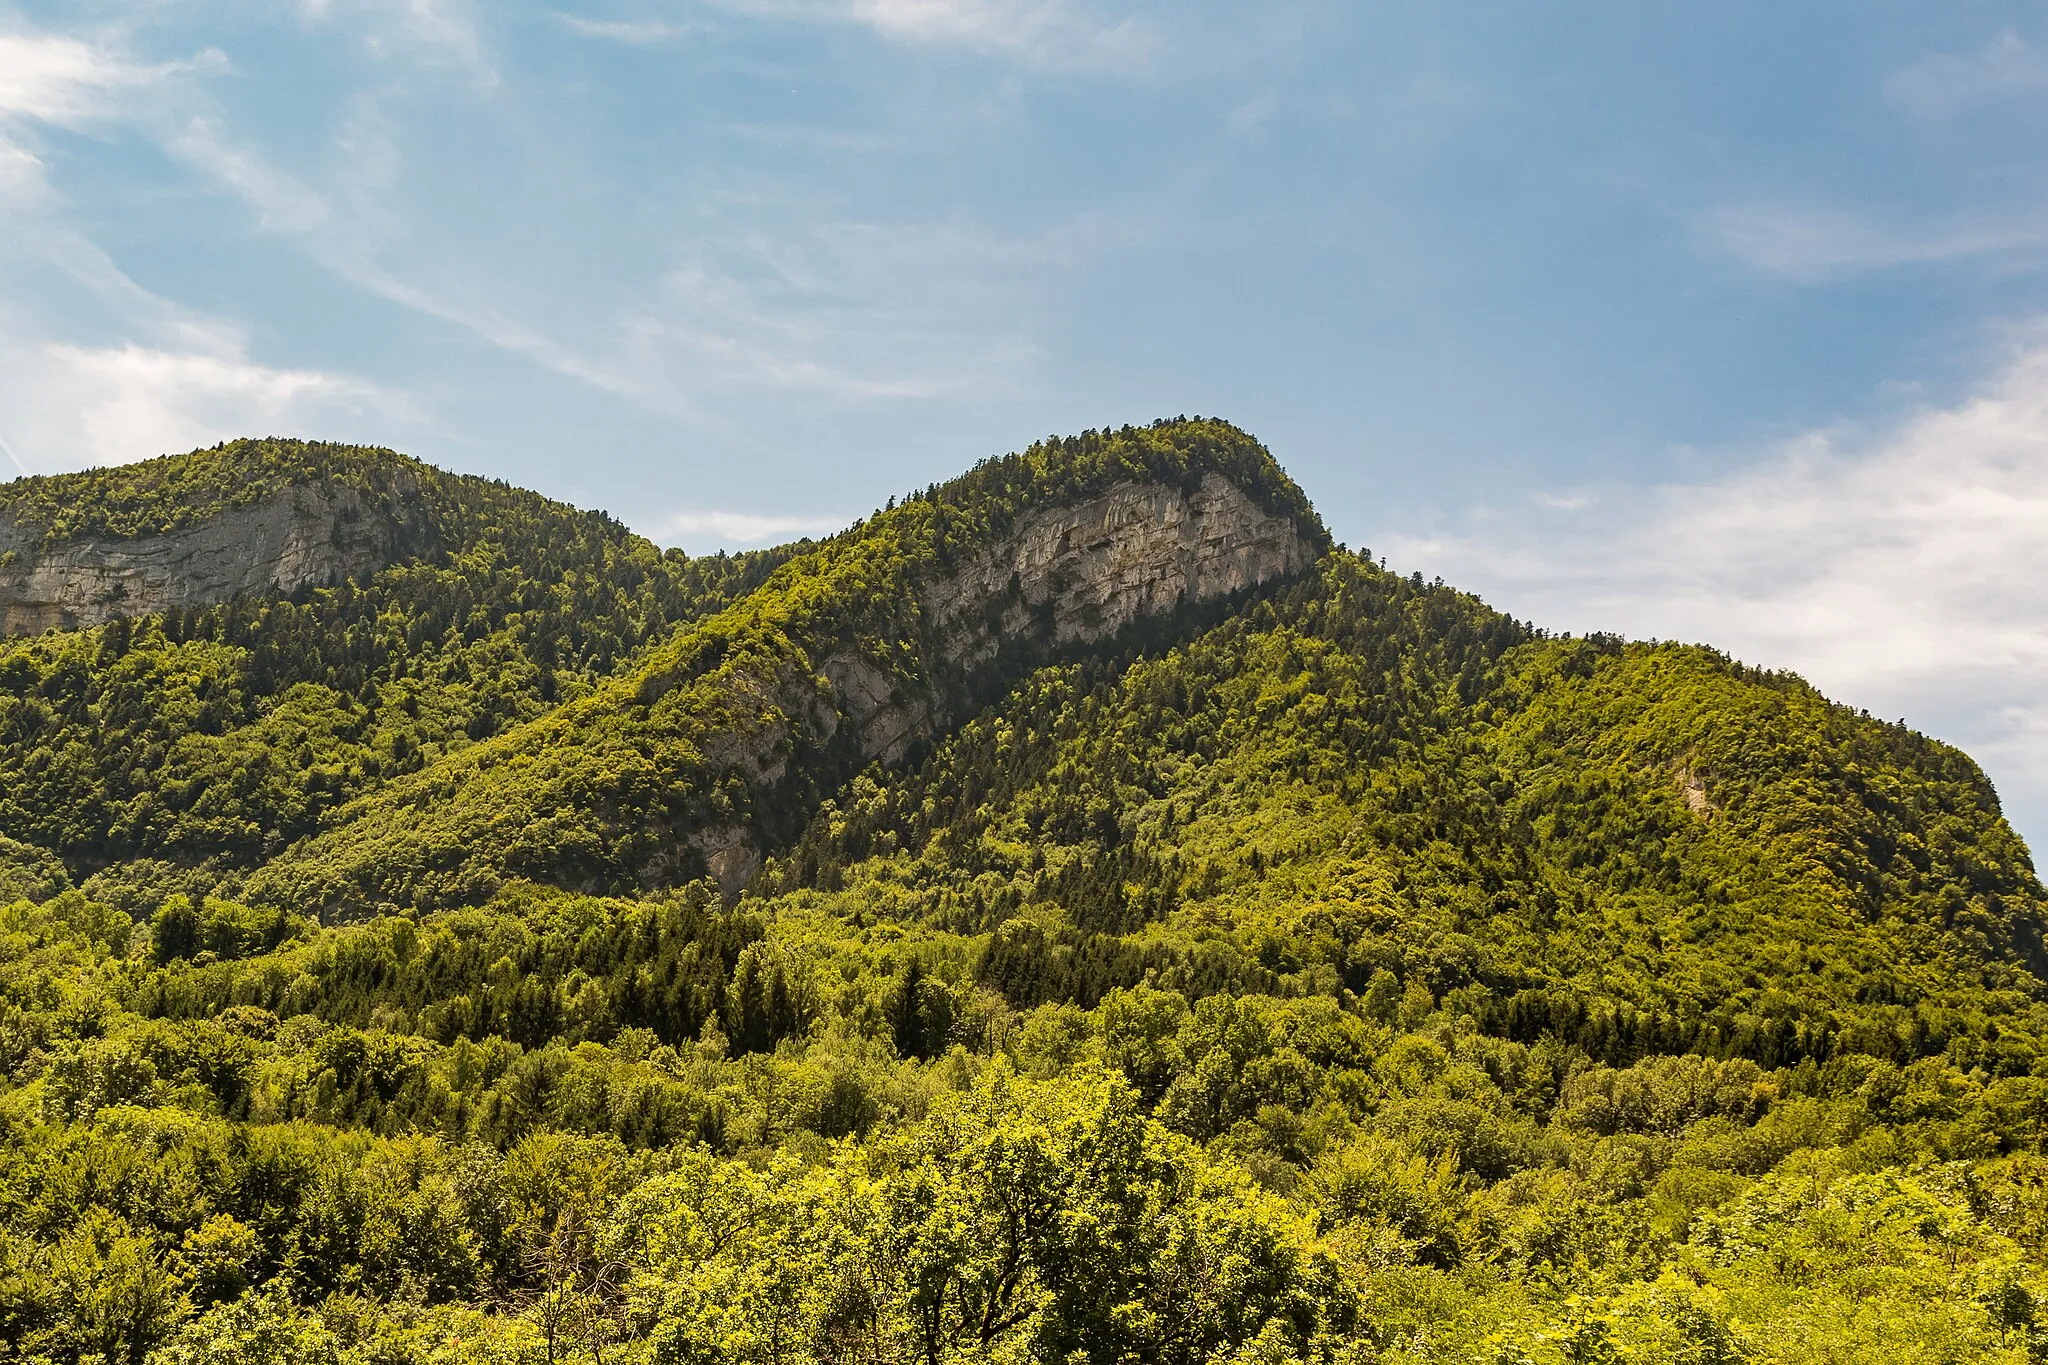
column 181, row 729
column 250, row 516
column 889, row 636
column 1077, row 913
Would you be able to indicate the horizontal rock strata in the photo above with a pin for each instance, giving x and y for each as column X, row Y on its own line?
column 300, row 537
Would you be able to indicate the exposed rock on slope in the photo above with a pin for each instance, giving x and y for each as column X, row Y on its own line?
column 717, row 747
column 1065, row 575
column 1076, row 575
column 293, row 538
column 1136, row 549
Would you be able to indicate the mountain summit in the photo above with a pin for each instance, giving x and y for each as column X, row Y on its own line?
column 1077, row 913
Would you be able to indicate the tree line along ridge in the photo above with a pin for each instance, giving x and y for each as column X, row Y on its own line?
column 1330, row 969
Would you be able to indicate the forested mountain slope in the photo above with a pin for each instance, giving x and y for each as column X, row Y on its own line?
column 211, row 735
column 1630, row 847
column 860, row 650
column 1077, row 914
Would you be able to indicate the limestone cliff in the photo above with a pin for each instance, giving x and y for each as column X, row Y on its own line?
column 719, row 744
column 299, row 536
column 1064, row 575
column 1075, row 575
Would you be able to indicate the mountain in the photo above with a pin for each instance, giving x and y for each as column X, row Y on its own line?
column 859, row 651
column 183, row 531
column 207, row 735
column 1077, row 913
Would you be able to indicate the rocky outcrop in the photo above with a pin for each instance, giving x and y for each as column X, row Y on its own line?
column 1098, row 566
column 718, row 747
column 1077, row 574
column 1063, row 576
column 304, row 536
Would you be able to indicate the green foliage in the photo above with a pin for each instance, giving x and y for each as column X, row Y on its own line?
column 217, row 737
column 1021, row 1221
column 716, row 735
column 216, row 928
column 29, row 873
column 1363, row 977
column 172, row 492
column 1374, row 787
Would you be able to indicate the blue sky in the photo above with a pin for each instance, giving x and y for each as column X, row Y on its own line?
column 1712, row 322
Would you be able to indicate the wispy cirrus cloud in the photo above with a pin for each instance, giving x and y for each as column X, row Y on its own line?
column 281, row 201
column 66, row 82
column 764, row 294
column 1898, row 569
column 1810, row 244
column 771, row 284
column 2000, row 221
column 1048, row 34
column 23, row 181
column 634, row 32
column 854, row 310
column 450, row 32
column 2005, row 68
column 56, row 78
column 130, row 373
column 71, row 406
column 69, row 81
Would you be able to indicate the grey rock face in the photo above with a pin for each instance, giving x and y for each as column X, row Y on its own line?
column 305, row 536
column 1090, row 569
column 1078, row 573
column 1135, row 550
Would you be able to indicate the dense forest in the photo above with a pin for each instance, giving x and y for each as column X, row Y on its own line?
column 1339, row 970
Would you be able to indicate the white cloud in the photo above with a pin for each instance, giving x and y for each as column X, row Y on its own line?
column 2006, row 67
column 64, row 80
column 72, row 406
column 765, row 293
column 640, row 33
column 20, row 465
column 23, row 182
column 1050, row 34
column 55, row 77
column 100, row 370
column 1810, row 244
column 282, row 202
column 1905, row 571
column 741, row 528
column 846, row 311
column 447, row 30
